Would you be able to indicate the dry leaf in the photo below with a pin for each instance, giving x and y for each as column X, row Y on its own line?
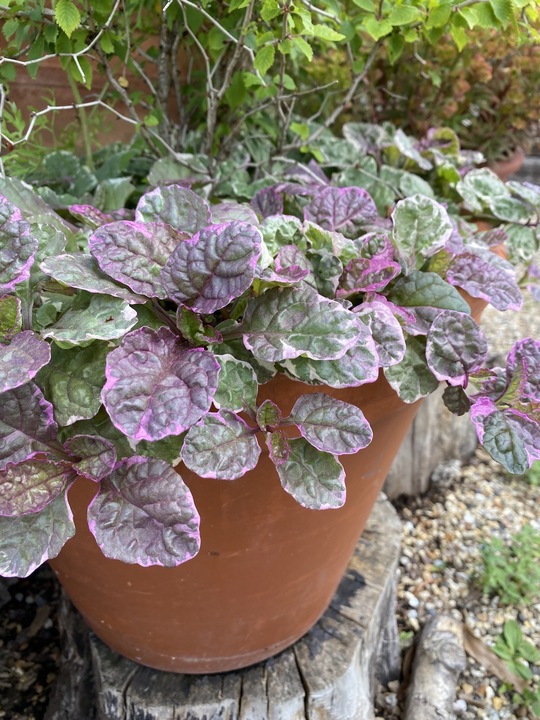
column 483, row 654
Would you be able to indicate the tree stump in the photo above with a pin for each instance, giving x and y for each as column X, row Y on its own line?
column 330, row 673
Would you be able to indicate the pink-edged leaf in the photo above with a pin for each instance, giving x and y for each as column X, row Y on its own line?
column 31, row 485
column 278, row 447
column 90, row 215
column 21, row 360
column 455, row 347
column 83, row 272
column 221, row 446
column 144, row 514
column 315, row 479
column 229, row 211
column 155, row 386
column 28, row 541
column 524, row 358
column 268, row 415
column 483, row 277
column 376, row 245
column 289, row 322
column 97, row 456
column 27, row 426
column 237, row 385
column 213, row 267
column 268, row 201
column 347, row 210
column 386, row 331
column 363, row 274
column 411, row 378
column 175, row 205
column 331, row 425
column 17, row 247
column 134, row 253
column 292, row 263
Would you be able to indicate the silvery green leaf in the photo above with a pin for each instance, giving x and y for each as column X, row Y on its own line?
column 237, row 385
column 455, row 347
column 479, row 187
column 27, row 426
column 411, row 378
column 278, row 447
column 268, row 415
column 235, row 347
column 483, row 277
column 327, row 269
column 113, row 193
column 407, row 147
column 345, row 210
column 187, row 166
column 34, row 209
column 331, row 425
column 83, row 272
column 521, row 243
column 97, row 456
column 31, row 485
column 28, row 541
column 134, row 253
column 175, row 205
column 501, row 437
column 10, row 317
column 221, row 446
column 52, row 241
column 315, row 479
column 526, row 191
column 366, row 274
column 386, row 332
column 213, row 267
column 21, row 359
column 17, row 247
column 230, row 211
column 456, row 399
column 105, row 318
column 289, row 322
column 155, row 386
column 280, row 230
column 73, row 381
column 421, row 228
column 144, row 514
column 335, row 242
column 509, row 209
column 100, row 425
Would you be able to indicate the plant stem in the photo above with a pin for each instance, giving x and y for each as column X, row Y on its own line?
column 83, row 119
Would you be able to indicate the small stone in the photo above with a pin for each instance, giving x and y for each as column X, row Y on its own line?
column 390, row 700
column 467, row 688
column 393, row 686
column 497, row 702
column 460, row 706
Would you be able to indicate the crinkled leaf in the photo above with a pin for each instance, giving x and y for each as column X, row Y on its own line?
column 27, row 426
column 97, row 455
column 347, row 210
column 421, row 228
column 292, row 263
column 31, row 485
column 144, row 513
column 213, row 267
column 280, row 230
column 52, row 241
column 363, row 274
column 404, row 143
column 288, row 322
column 193, row 329
column 10, row 317
column 134, row 253
column 268, row 415
column 21, row 360
column 17, row 247
column 225, row 212
column 521, row 243
column 455, row 347
column 456, row 399
column 263, row 370
column 524, row 358
column 483, row 277
column 278, row 447
column 90, row 215
column 331, row 425
column 501, row 435
column 155, row 386
column 526, row 191
column 175, row 205
column 73, row 381
column 268, row 201
column 411, row 378
column 386, row 332
column 105, row 318
column 83, row 272
column 511, row 209
column 315, row 479
column 334, row 242
column 327, row 269
column 168, row 449
column 237, row 385
column 221, row 446
column 480, row 187
column 28, row 541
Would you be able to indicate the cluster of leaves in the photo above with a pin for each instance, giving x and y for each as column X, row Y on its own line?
column 511, row 569
column 519, row 654
column 132, row 339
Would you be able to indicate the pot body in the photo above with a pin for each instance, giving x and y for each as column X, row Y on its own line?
column 267, row 568
column 504, row 169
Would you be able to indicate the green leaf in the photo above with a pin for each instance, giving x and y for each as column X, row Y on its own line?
column 264, row 59
column 237, row 385
column 396, row 44
column 303, row 46
column 10, row 316
column 503, row 10
column 9, row 28
column 67, row 16
column 411, row 378
column 300, row 129
column 377, row 28
column 439, row 16
column 404, row 15
column 512, row 634
column 459, row 36
column 368, row 5
column 324, row 32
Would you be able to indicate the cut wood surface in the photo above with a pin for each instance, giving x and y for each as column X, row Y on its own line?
column 330, row 674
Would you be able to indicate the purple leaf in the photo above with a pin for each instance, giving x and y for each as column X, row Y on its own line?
column 524, row 358
column 22, row 359
column 288, row 322
column 376, row 245
column 483, row 277
column 347, row 210
column 155, row 386
column 134, row 253
column 213, row 267
column 175, row 205
column 17, row 247
column 90, row 215
column 31, row 485
column 221, row 446
column 292, row 263
column 455, row 347
column 27, row 426
column 315, row 479
column 97, row 456
column 363, row 274
column 331, row 425
column 268, row 201
column 278, row 447
column 386, row 331
column 144, row 514
column 28, row 541
column 225, row 212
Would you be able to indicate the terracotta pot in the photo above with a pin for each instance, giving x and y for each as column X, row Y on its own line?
column 507, row 167
column 267, row 568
